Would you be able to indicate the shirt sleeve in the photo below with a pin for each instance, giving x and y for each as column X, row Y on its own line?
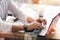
column 1, row 12
column 16, row 10
column 5, row 27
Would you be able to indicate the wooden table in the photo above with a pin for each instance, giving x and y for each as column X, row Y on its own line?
column 24, row 36
column 12, row 35
column 53, row 36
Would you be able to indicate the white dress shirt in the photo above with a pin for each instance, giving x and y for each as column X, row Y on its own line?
column 10, row 5
column 6, row 5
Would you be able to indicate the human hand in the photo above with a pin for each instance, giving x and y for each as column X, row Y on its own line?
column 51, row 30
column 34, row 25
column 42, row 21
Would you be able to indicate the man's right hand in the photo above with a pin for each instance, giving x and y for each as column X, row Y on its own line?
column 34, row 25
column 42, row 21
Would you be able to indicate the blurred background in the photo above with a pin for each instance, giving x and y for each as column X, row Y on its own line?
column 45, row 2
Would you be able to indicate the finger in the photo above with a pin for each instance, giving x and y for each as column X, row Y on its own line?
column 44, row 21
column 51, row 30
column 37, row 28
column 47, row 33
column 39, row 24
column 39, row 20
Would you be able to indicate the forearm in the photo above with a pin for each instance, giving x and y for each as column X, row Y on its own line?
column 16, row 28
column 20, row 27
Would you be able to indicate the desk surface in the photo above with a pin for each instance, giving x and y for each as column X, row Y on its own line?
column 7, row 35
column 53, row 36
column 23, row 35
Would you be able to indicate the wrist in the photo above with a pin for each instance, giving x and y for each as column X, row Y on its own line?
column 27, row 28
column 30, row 27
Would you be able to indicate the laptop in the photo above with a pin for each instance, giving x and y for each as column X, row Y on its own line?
column 53, row 22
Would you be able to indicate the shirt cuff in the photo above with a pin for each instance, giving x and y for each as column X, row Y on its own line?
column 5, row 27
